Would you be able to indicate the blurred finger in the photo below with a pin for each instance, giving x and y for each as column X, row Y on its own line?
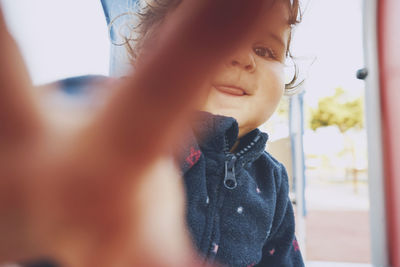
column 18, row 115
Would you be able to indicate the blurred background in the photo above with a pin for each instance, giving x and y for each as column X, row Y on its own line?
column 319, row 134
column 60, row 38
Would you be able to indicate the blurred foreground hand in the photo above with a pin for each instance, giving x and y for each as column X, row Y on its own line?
column 105, row 192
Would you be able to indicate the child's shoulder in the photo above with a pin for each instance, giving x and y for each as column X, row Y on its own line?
column 272, row 166
column 271, row 160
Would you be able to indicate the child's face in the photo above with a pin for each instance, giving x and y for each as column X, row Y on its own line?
column 250, row 83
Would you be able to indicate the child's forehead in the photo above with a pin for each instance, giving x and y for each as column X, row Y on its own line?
column 276, row 13
column 274, row 20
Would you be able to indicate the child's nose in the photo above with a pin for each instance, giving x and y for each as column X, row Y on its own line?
column 245, row 61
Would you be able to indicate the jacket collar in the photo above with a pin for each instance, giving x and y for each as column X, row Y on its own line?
column 215, row 134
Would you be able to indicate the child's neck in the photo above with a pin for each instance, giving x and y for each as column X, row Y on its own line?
column 234, row 146
column 242, row 132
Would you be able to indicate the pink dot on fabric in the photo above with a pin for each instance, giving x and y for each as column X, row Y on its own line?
column 258, row 190
column 215, row 248
column 296, row 245
column 272, row 252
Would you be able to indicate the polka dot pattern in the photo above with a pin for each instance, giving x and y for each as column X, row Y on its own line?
column 240, row 210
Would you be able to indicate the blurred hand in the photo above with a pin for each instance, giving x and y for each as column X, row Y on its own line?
column 105, row 192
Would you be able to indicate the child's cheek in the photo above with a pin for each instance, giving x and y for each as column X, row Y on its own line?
column 278, row 73
column 273, row 81
column 273, row 87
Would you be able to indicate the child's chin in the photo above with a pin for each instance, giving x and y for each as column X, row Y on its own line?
column 227, row 112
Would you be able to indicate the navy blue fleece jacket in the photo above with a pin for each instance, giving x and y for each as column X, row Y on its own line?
column 238, row 209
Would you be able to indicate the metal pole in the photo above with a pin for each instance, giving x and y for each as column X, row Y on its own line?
column 379, row 244
column 296, row 136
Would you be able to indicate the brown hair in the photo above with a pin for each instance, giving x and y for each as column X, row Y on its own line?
column 150, row 13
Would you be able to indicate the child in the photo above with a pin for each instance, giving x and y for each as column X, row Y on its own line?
column 238, row 210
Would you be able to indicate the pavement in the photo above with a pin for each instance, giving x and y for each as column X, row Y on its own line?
column 337, row 223
column 338, row 236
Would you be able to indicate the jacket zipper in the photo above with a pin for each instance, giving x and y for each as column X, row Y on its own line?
column 230, row 181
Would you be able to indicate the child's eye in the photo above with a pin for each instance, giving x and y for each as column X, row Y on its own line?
column 264, row 52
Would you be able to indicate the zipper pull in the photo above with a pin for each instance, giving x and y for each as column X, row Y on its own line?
column 230, row 178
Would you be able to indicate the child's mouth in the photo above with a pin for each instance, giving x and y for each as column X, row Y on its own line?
column 230, row 90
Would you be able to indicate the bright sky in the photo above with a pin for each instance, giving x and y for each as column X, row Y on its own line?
column 63, row 38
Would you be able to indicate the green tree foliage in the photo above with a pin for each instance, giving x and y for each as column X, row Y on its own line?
column 337, row 110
